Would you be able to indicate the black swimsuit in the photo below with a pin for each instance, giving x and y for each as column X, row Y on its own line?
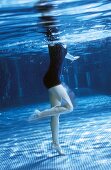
column 50, row 27
column 57, row 54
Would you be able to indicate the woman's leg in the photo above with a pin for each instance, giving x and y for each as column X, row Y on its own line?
column 55, row 124
column 54, row 119
column 66, row 107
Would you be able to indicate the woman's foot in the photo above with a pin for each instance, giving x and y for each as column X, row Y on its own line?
column 58, row 148
column 34, row 116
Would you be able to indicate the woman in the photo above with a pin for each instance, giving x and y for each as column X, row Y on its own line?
column 59, row 98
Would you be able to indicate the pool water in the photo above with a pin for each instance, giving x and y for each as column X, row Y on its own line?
column 85, row 136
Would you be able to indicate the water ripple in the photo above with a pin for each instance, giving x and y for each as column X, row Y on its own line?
column 86, row 22
column 85, row 139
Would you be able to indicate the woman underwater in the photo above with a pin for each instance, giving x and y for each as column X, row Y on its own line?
column 58, row 96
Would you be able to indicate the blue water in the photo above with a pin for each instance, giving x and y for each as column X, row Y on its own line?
column 85, row 134
column 80, row 22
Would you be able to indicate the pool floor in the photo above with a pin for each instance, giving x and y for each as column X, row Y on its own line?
column 85, row 136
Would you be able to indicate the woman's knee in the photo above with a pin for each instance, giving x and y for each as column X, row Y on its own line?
column 70, row 108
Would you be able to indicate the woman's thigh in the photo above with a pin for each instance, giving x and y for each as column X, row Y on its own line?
column 54, row 99
column 60, row 93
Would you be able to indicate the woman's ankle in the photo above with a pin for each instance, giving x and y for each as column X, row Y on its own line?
column 55, row 142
